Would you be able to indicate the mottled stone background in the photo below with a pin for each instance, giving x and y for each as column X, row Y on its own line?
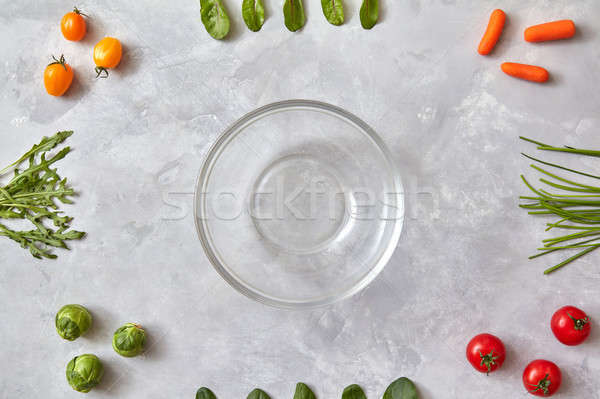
column 451, row 119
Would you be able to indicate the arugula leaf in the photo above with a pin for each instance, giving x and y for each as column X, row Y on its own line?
column 369, row 13
column 258, row 394
column 253, row 12
column 333, row 11
column 293, row 13
column 46, row 144
column 205, row 393
column 32, row 194
column 402, row 388
column 353, row 392
column 303, row 392
column 214, row 18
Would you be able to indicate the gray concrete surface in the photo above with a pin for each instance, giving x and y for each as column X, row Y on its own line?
column 450, row 117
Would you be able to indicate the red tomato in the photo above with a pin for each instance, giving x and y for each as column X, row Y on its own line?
column 570, row 325
column 542, row 378
column 486, row 353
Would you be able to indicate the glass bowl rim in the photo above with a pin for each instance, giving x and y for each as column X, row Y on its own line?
column 204, row 175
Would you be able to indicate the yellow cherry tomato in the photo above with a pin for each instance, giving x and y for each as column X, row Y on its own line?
column 107, row 54
column 72, row 25
column 58, row 77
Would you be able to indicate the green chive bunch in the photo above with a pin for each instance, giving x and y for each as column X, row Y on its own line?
column 576, row 207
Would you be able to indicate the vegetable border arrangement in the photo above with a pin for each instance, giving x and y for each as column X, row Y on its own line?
column 217, row 23
column 576, row 206
column 402, row 388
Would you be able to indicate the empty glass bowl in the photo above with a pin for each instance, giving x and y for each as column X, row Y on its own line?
column 299, row 204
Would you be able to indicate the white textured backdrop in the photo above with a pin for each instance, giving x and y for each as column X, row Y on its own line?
column 451, row 119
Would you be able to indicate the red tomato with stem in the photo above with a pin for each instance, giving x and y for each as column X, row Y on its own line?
column 570, row 325
column 542, row 378
column 486, row 353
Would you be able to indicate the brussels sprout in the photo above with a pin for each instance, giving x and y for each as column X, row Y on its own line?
column 129, row 340
column 84, row 372
column 71, row 321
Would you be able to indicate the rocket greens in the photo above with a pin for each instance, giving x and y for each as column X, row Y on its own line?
column 32, row 194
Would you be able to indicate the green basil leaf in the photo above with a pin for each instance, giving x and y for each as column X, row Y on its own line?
column 369, row 12
column 258, row 394
column 293, row 13
column 205, row 393
column 303, row 392
column 253, row 12
column 333, row 11
column 214, row 18
column 402, row 388
column 353, row 392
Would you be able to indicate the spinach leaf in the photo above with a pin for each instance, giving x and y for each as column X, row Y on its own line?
column 402, row 388
column 253, row 12
column 369, row 12
column 214, row 18
column 353, row 392
column 303, row 392
column 258, row 394
column 333, row 11
column 205, row 393
column 293, row 13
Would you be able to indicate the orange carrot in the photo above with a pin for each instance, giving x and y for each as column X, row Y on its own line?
column 550, row 31
column 527, row 72
column 492, row 33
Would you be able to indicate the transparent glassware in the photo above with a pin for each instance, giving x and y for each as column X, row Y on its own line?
column 298, row 204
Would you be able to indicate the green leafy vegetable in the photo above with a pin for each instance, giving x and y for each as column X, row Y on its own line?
column 214, row 18
column 293, row 13
column 205, row 393
column 258, row 394
column 402, row 388
column 577, row 207
column 32, row 193
column 369, row 13
column 72, row 321
column 253, row 12
column 333, row 11
column 84, row 372
column 303, row 392
column 353, row 392
column 129, row 340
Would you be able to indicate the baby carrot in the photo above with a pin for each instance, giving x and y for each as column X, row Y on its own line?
column 550, row 31
column 527, row 72
column 492, row 33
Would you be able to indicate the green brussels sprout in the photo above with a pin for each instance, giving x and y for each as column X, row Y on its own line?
column 129, row 340
column 84, row 372
column 71, row 321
